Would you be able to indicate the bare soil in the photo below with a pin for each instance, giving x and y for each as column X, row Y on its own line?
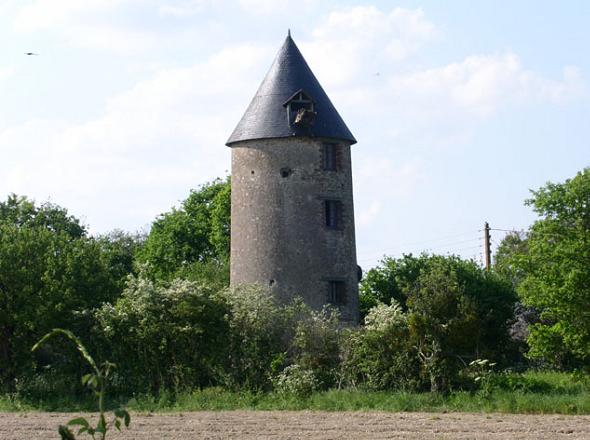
column 278, row 425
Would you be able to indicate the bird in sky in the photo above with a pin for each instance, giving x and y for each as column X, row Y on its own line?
column 31, row 53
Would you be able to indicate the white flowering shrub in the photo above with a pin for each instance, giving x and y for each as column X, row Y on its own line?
column 380, row 355
column 316, row 345
column 383, row 317
column 165, row 335
column 296, row 381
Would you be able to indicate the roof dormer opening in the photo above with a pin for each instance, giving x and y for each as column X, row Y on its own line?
column 300, row 109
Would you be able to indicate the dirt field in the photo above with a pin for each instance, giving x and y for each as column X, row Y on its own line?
column 314, row 425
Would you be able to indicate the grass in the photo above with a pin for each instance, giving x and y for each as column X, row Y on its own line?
column 529, row 393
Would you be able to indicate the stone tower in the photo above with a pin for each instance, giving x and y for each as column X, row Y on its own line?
column 292, row 219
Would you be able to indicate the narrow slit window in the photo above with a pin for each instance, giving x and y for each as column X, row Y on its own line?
column 333, row 213
column 336, row 292
column 330, row 155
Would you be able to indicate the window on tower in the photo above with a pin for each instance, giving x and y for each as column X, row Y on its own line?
column 333, row 211
column 336, row 292
column 300, row 109
column 330, row 155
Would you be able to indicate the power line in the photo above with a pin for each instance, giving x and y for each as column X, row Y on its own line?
column 430, row 240
column 530, row 232
column 508, row 230
column 428, row 248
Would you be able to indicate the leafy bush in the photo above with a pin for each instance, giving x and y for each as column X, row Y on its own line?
column 165, row 335
column 297, row 381
column 450, row 312
column 380, row 356
column 316, row 345
column 256, row 337
column 279, row 344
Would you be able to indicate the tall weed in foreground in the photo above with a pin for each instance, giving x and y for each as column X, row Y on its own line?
column 96, row 381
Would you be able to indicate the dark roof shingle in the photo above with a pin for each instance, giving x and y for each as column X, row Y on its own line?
column 266, row 116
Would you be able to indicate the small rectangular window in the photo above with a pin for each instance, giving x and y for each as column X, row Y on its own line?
column 336, row 292
column 330, row 157
column 333, row 213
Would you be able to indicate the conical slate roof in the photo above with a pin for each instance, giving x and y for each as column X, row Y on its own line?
column 266, row 116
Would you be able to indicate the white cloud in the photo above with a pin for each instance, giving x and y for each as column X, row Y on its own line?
column 362, row 56
column 370, row 213
column 357, row 42
column 151, row 145
column 401, row 31
column 481, row 84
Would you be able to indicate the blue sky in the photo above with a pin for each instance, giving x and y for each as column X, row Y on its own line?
column 459, row 107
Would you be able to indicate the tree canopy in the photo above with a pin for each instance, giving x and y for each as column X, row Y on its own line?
column 23, row 212
column 556, row 268
column 196, row 232
column 50, row 272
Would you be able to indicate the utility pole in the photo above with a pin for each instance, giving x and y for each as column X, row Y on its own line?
column 487, row 247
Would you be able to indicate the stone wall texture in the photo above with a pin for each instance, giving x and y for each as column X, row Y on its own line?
column 279, row 236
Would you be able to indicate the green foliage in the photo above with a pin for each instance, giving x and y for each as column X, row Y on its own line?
column 528, row 393
column 443, row 322
column 258, row 338
column 513, row 245
column 271, row 343
column 213, row 273
column 297, row 381
column 50, row 274
column 380, row 355
column 21, row 212
column 165, row 335
column 390, row 282
column 557, row 271
column 97, row 382
column 119, row 249
column 449, row 310
column 196, row 232
column 316, row 346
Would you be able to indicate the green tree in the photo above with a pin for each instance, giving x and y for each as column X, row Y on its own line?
column 119, row 250
column 20, row 211
column 390, row 282
column 455, row 311
column 444, row 324
column 51, row 273
column 47, row 280
column 192, row 235
column 512, row 246
column 557, row 271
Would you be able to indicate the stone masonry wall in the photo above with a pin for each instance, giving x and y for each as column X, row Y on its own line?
column 279, row 236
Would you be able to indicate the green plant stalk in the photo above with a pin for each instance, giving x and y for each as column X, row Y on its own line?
column 97, row 381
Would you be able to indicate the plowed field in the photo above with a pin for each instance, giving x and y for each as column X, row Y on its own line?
column 314, row 425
